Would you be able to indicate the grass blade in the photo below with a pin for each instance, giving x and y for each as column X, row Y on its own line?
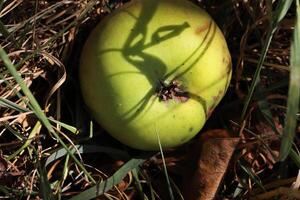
column 68, row 127
column 295, row 157
column 36, row 129
column 106, row 185
column 293, row 94
column 256, row 77
column 9, row 104
column 165, row 168
column 281, row 10
column 114, row 153
column 45, row 191
column 37, row 109
column 251, row 174
column 279, row 13
column 141, row 194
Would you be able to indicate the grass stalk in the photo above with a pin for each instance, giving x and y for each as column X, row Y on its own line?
column 37, row 109
column 293, row 93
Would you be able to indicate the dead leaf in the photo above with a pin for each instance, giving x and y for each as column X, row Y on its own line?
column 216, row 148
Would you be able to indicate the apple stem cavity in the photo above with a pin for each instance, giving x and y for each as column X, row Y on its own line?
column 172, row 90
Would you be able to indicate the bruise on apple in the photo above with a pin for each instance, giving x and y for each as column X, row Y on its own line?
column 172, row 90
column 202, row 28
column 215, row 100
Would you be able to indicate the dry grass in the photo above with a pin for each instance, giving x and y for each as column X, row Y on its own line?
column 43, row 40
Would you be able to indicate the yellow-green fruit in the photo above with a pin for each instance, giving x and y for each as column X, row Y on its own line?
column 154, row 69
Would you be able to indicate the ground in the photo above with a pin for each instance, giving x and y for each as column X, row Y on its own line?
column 241, row 153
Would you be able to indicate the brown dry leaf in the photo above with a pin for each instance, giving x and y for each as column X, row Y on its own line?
column 216, row 148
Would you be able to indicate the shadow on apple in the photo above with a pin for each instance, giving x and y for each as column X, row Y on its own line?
column 133, row 52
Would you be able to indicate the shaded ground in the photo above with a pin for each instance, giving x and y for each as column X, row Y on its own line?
column 43, row 40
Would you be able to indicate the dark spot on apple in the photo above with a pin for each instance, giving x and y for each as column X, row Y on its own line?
column 174, row 116
column 224, row 60
column 191, row 129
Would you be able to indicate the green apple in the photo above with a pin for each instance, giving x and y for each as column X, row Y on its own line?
column 153, row 71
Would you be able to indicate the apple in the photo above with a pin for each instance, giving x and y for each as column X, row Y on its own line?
column 153, row 71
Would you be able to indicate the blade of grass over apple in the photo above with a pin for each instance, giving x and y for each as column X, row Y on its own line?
column 106, row 185
column 36, row 107
column 280, row 11
column 294, row 92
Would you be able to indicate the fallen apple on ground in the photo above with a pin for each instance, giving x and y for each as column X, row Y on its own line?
column 154, row 70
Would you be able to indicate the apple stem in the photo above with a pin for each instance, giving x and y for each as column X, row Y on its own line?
column 172, row 90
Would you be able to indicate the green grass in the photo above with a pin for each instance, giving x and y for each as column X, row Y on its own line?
column 277, row 16
column 106, row 185
column 294, row 86
column 294, row 91
column 37, row 109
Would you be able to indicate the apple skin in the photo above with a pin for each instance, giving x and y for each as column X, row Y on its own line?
column 140, row 45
